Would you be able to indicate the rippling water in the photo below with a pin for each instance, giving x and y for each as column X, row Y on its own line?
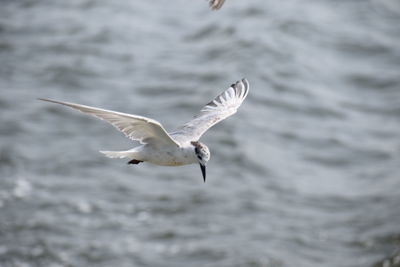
column 305, row 174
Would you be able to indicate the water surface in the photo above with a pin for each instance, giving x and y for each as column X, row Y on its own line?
column 305, row 174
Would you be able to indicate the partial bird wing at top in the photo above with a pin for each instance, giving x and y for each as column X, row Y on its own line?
column 216, row 4
column 142, row 129
column 223, row 106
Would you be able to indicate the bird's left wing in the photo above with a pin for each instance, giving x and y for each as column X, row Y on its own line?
column 223, row 106
column 138, row 128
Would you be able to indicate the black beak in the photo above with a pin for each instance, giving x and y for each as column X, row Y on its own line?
column 203, row 171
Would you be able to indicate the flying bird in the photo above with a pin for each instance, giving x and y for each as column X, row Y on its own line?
column 216, row 4
column 179, row 147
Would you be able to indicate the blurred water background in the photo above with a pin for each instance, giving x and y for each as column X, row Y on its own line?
column 305, row 174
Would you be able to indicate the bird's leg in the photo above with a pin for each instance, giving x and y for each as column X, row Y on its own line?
column 134, row 161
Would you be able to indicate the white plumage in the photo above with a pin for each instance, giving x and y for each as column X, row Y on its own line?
column 221, row 107
column 178, row 147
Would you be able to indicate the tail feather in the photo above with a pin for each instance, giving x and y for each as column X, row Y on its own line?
column 119, row 154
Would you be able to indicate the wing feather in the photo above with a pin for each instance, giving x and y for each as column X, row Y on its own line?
column 138, row 128
column 216, row 4
column 221, row 107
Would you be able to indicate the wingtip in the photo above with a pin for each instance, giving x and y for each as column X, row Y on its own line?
column 46, row 99
column 241, row 88
column 238, row 82
column 56, row 102
column 246, row 83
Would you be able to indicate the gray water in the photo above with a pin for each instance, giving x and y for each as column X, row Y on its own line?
column 305, row 174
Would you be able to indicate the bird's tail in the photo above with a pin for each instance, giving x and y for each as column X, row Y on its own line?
column 120, row 154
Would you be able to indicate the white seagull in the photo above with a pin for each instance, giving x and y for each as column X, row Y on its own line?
column 179, row 147
column 216, row 4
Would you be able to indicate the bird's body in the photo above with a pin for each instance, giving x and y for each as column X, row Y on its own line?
column 162, row 155
column 160, row 147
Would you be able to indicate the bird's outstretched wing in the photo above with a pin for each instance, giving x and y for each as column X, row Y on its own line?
column 223, row 106
column 216, row 4
column 142, row 129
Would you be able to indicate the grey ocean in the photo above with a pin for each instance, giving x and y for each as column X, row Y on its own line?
column 307, row 173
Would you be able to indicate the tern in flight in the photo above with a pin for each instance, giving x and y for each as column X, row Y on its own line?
column 216, row 4
column 179, row 147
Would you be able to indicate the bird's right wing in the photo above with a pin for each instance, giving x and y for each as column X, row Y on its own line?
column 138, row 128
column 216, row 4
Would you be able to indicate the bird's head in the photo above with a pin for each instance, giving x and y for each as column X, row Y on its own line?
column 203, row 156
